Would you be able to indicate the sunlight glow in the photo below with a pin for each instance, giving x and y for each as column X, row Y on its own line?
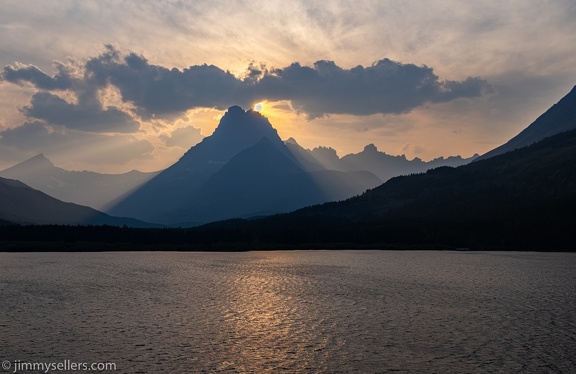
column 259, row 106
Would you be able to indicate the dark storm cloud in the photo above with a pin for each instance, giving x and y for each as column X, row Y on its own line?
column 30, row 73
column 87, row 115
column 385, row 87
column 156, row 90
column 325, row 88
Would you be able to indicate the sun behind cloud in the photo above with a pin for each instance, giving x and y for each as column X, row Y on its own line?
column 258, row 107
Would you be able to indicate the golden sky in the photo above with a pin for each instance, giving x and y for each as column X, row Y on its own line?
column 113, row 86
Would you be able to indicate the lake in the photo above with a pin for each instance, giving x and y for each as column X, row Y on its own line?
column 291, row 311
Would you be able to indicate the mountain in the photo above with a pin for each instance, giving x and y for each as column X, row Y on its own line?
column 559, row 118
column 81, row 187
column 264, row 179
column 243, row 169
column 524, row 199
column 179, row 185
column 22, row 204
column 257, row 181
column 309, row 160
column 544, row 171
column 383, row 165
column 387, row 166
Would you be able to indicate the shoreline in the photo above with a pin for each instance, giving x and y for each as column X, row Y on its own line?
column 85, row 246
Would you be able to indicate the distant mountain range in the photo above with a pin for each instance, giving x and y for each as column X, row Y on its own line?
column 545, row 170
column 22, row 204
column 524, row 199
column 559, row 118
column 244, row 170
column 81, row 187
column 383, row 165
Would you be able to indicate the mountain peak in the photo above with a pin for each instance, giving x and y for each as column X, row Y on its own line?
column 240, row 122
column 40, row 158
column 235, row 114
column 237, row 130
column 32, row 165
column 561, row 117
column 235, row 109
column 370, row 148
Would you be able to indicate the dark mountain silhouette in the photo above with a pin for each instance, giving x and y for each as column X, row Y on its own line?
column 177, row 186
column 543, row 171
column 265, row 179
column 244, row 169
column 524, row 199
column 259, row 180
column 383, row 165
column 81, row 187
column 22, row 204
column 559, row 118
column 521, row 200
column 307, row 159
column 386, row 166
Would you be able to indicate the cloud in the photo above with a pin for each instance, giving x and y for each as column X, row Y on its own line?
column 325, row 88
column 29, row 73
column 386, row 87
column 27, row 136
column 87, row 115
column 184, row 137
column 38, row 137
column 157, row 91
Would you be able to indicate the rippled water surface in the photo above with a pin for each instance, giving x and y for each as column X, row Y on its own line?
column 298, row 311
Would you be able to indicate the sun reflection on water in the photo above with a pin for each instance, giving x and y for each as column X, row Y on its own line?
column 268, row 324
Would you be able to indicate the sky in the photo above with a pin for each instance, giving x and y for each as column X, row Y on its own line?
column 112, row 86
